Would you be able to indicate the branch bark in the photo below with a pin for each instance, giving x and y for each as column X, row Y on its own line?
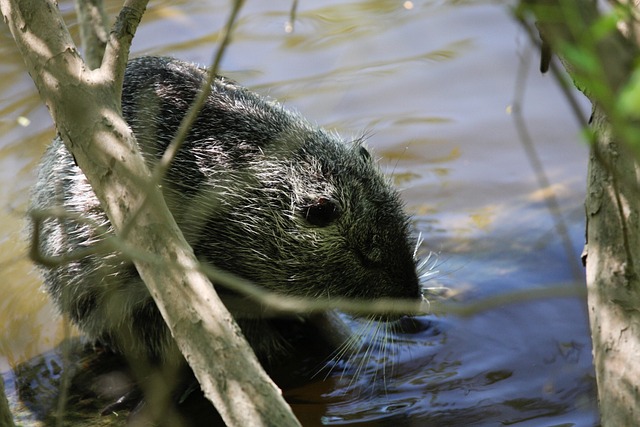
column 601, row 64
column 85, row 105
column 93, row 30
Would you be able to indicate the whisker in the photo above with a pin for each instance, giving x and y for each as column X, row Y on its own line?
column 338, row 354
column 386, row 356
column 419, row 242
column 366, row 355
column 353, row 348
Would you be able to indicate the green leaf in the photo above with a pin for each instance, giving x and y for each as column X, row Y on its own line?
column 629, row 99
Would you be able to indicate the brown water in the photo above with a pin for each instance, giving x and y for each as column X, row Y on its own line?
column 434, row 86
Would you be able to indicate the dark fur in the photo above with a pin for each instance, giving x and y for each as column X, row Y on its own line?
column 256, row 189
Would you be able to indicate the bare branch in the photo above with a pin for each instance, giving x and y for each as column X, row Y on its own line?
column 116, row 53
column 93, row 30
column 170, row 153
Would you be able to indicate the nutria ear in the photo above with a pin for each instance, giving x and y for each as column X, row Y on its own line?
column 365, row 153
column 321, row 212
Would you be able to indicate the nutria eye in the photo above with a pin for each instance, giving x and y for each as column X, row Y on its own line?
column 321, row 212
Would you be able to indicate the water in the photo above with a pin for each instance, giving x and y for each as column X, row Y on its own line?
column 435, row 88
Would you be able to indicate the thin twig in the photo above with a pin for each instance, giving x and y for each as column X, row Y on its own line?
column 289, row 26
column 558, row 75
column 538, row 168
column 185, row 126
column 65, row 380
column 466, row 309
column 170, row 153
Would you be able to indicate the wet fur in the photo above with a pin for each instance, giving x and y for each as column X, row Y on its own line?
column 256, row 189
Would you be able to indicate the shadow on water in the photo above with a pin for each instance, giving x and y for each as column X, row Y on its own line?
column 432, row 87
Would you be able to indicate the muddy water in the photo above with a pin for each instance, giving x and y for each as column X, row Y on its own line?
column 434, row 85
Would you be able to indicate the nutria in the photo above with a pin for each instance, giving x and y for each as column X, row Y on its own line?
column 256, row 189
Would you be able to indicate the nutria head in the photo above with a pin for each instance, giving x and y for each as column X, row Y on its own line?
column 261, row 192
